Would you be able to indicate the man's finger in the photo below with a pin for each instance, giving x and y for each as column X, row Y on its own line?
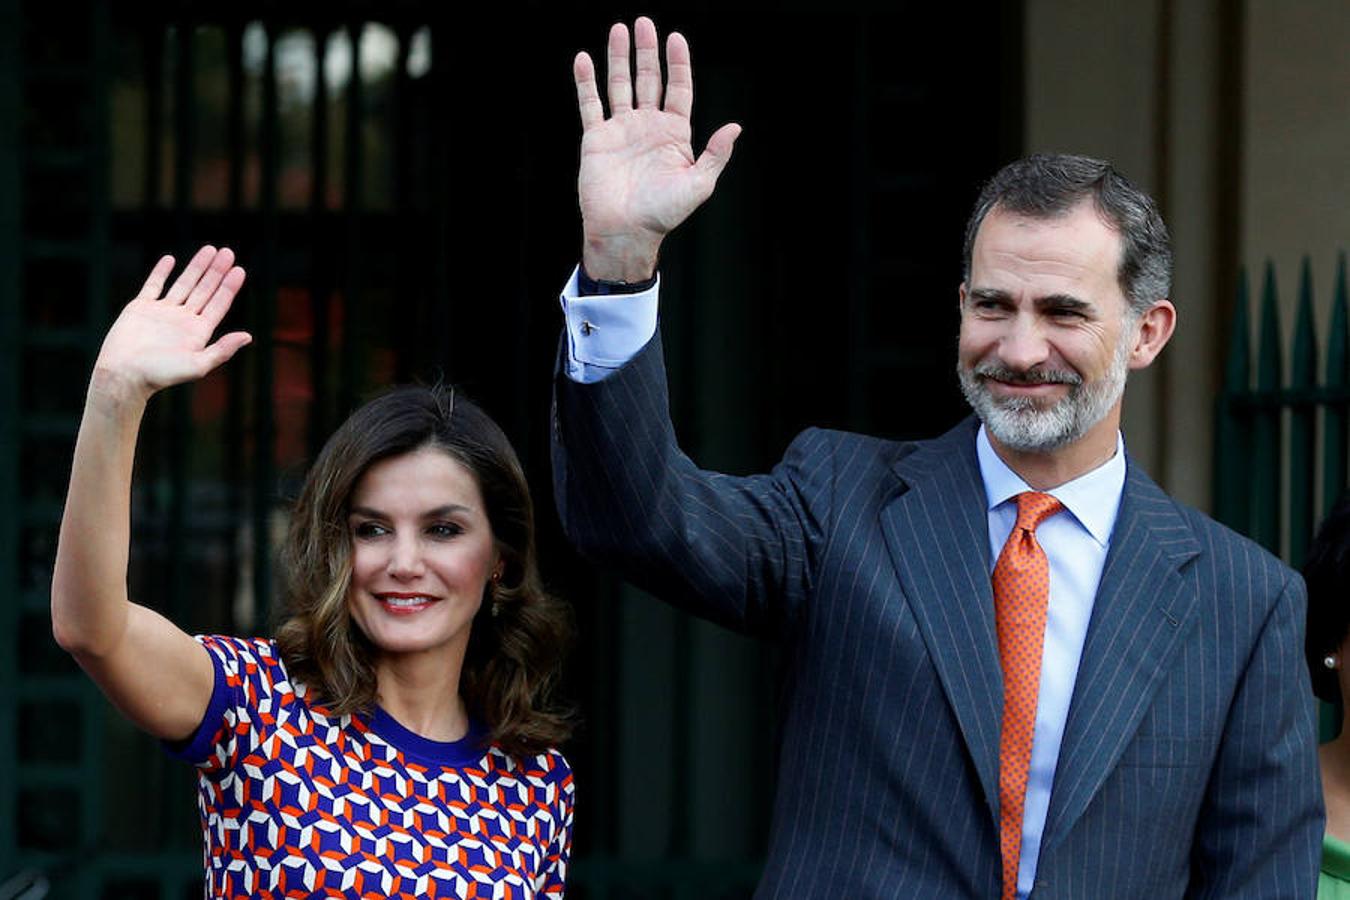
column 617, row 76
column 588, row 97
column 648, row 63
column 154, row 283
column 679, row 76
column 210, row 280
column 717, row 154
column 191, row 274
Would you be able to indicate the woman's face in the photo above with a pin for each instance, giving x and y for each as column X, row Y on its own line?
column 422, row 552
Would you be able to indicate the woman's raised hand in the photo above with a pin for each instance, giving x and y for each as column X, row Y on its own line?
column 161, row 341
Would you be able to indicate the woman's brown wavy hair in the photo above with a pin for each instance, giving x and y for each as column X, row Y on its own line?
column 514, row 655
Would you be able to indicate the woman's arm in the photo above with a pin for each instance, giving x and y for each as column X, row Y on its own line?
column 157, row 675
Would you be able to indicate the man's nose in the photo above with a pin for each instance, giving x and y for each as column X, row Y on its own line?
column 1024, row 346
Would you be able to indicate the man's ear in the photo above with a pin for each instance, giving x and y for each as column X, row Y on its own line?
column 961, row 297
column 1155, row 329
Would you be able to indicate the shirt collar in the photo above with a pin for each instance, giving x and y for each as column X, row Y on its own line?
column 1093, row 498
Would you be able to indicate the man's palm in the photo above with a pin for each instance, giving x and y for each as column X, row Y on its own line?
column 639, row 177
column 637, row 172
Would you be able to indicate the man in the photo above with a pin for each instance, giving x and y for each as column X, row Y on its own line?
column 1019, row 668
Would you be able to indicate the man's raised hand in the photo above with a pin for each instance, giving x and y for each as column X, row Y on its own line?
column 639, row 177
column 161, row 341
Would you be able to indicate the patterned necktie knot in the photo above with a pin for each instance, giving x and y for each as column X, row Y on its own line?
column 1033, row 508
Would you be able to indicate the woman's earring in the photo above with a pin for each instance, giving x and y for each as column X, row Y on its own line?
column 496, row 604
column 1330, row 661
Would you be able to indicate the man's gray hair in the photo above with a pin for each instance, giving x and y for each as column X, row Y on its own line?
column 1046, row 186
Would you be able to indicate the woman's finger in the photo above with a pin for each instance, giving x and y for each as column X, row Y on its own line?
column 210, row 280
column 215, row 309
column 191, row 275
column 154, row 283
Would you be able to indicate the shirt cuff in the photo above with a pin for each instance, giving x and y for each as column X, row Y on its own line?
column 605, row 331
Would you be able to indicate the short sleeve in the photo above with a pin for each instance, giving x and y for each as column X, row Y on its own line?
column 553, row 876
column 248, row 676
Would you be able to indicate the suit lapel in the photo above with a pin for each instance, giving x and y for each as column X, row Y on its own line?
column 1144, row 606
column 937, row 532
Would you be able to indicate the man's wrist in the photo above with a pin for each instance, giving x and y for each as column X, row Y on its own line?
column 620, row 260
column 596, row 287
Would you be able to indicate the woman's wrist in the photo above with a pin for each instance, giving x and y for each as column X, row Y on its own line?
column 112, row 393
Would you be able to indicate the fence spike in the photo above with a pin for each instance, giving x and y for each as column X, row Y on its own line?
column 1266, row 468
column 1302, row 421
column 1269, row 359
column 1303, row 369
column 1237, row 374
column 1232, row 427
column 1334, row 446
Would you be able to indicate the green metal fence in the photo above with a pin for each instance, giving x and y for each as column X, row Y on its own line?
column 1270, row 468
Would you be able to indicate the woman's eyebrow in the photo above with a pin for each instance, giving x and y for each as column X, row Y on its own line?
column 443, row 510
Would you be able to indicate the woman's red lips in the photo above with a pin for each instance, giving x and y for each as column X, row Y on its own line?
column 401, row 603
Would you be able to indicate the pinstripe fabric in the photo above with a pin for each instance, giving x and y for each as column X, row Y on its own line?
column 1187, row 767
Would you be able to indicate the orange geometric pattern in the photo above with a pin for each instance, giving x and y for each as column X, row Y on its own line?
column 1021, row 596
column 297, row 803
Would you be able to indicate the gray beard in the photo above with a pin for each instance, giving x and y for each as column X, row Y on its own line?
column 1019, row 423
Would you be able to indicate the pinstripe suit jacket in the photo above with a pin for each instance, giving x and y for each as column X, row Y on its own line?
column 1188, row 766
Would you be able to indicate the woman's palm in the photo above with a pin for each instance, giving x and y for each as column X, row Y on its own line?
column 157, row 342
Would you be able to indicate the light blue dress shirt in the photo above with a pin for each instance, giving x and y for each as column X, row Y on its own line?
column 604, row 332
column 1075, row 542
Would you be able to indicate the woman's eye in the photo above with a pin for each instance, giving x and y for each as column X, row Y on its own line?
column 368, row 529
column 445, row 530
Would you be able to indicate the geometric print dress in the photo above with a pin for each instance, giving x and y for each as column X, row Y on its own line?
column 295, row 803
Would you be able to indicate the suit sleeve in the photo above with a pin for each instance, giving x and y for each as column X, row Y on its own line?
column 1260, row 828
column 738, row 551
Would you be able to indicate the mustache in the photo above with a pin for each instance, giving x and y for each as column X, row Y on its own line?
column 1036, row 375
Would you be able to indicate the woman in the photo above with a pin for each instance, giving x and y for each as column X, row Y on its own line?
column 1327, row 572
column 395, row 739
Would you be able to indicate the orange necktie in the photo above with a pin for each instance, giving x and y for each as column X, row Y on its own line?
column 1021, row 594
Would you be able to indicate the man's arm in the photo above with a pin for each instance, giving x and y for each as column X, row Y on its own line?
column 735, row 550
column 604, row 329
column 740, row 551
column 1260, row 830
column 637, row 180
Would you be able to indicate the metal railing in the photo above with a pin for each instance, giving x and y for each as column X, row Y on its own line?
column 1261, row 488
